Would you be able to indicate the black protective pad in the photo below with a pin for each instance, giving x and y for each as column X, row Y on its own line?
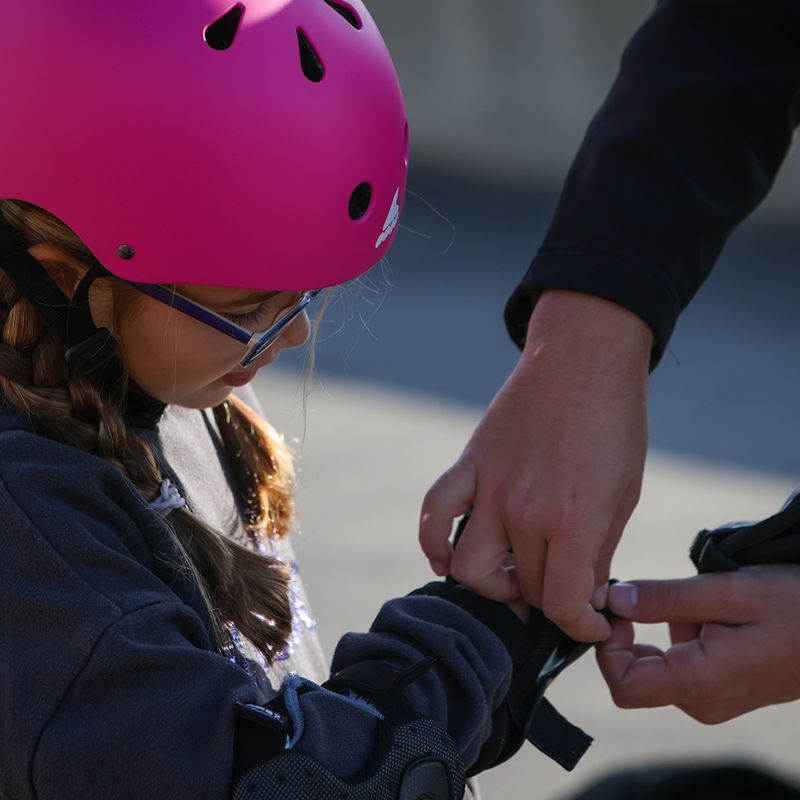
column 539, row 651
column 775, row 540
column 413, row 766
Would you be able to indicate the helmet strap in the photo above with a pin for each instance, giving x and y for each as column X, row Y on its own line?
column 91, row 351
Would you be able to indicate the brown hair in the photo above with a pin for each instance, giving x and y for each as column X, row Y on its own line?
column 240, row 585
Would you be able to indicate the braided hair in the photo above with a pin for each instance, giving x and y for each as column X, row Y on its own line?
column 241, row 586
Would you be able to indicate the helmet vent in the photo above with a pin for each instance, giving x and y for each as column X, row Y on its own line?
column 310, row 61
column 360, row 201
column 347, row 13
column 219, row 35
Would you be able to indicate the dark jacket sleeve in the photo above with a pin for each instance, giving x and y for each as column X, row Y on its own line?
column 109, row 680
column 472, row 669
column 686, row 145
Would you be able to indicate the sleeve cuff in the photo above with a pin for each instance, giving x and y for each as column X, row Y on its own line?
column 643, row 291
column 498, row 617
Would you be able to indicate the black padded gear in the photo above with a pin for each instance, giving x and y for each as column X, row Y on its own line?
column 539, row 652
column 414, row 757
column 775, row 540
column 418, row 763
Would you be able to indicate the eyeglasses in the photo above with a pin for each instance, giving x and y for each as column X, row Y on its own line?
column 255, row 342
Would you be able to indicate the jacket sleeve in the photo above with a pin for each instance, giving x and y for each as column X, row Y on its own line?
column 151, row 713
column 686, row 145
column 424, row 659
column 472, row 665
column 109, row 682
column 112, row 680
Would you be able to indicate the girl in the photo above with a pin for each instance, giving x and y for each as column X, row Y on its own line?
column 178, row 181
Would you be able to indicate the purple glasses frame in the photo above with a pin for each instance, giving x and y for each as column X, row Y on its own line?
column 255, row 342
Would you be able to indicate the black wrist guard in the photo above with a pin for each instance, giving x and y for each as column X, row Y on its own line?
column 539, row 652
column 414, row 757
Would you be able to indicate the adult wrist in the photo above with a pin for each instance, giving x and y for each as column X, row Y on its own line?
column 579, row 323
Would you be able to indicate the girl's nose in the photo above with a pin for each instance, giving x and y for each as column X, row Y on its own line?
column 293, row 335
column 296, row 332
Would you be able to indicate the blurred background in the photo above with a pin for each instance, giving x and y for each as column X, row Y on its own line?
column 499, row 95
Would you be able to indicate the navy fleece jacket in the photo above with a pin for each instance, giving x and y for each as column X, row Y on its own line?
column 110, row 685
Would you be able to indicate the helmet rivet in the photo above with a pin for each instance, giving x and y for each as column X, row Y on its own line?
column 126, row 251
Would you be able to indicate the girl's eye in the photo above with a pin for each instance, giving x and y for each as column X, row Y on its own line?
column 250, row 317
column 268, row 311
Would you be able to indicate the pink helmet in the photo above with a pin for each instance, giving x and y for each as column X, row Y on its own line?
column 261, row 144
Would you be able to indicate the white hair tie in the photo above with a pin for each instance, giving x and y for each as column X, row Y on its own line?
column 169, row 499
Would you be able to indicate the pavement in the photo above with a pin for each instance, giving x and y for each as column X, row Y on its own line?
column 407, row 361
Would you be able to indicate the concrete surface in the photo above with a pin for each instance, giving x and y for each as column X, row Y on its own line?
column 367, row 455
column 409, row 357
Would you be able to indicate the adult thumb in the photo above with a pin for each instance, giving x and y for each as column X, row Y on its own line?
column 704, row 598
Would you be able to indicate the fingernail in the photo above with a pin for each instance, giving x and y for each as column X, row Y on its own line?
column 622, row 599
column 618, row 637
column 600, row 597
column 438, row 568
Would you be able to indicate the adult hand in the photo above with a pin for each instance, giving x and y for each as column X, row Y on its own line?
column 554, row 468
column 736, row 643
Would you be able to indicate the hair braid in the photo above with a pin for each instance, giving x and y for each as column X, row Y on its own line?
column 241, row 585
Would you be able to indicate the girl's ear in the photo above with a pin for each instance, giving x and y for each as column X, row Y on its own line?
column 63, row 270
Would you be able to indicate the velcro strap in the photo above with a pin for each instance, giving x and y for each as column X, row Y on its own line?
column 377, row 677
column 556, row 737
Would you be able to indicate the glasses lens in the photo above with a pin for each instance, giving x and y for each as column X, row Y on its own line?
column 271, row 336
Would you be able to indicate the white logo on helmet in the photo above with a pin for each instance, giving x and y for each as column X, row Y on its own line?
column 391, row 220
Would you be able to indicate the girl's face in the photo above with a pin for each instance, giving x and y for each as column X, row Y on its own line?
column 177, row 359
column 171, row 356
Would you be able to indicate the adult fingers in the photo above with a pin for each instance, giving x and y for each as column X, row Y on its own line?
column 704, row 598
column 640, row 676
column 449, row 497
column 569, row 585
column 647, row 651
column 684, row 631
column 625, row 507
column 623, row 638
column 524, row 536
column 481, row 557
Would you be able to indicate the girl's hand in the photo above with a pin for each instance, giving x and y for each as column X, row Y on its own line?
column 735, row 643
